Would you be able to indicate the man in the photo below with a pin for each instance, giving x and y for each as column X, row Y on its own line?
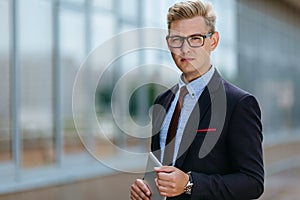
column 216, row 151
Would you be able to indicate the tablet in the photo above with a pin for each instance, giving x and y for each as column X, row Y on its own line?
column 150, row 176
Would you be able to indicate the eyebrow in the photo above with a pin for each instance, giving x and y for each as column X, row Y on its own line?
column 195, row 34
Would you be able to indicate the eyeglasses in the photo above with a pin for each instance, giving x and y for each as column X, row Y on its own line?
column 194, row 41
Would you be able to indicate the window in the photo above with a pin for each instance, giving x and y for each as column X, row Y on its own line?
column 72, row 48
column 108, row 4
column 35, row 38
column 5, row 137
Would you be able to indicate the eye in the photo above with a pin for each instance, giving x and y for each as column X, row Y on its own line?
column 175, row 39
column 195, row 38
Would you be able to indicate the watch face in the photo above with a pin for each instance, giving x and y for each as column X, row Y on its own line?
column 188, row 188
column 189, row 185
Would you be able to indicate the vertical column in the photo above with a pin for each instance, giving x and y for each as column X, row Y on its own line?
column 15, row 90
column 57, row 86
column 88, row 74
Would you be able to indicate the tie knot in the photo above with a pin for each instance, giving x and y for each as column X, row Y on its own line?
column 183, row 92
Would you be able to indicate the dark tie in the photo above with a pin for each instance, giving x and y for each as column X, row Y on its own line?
column 170, row 141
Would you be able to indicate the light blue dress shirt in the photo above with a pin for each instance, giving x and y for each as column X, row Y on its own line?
column 195, row 89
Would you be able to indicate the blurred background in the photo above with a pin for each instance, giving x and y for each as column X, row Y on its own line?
column 43, row 43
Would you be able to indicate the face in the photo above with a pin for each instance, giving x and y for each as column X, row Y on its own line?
column 193, row 62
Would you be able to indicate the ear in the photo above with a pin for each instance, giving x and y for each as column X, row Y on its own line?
column 214, row 41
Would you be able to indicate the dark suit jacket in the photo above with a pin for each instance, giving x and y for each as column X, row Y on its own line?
column 221, row 144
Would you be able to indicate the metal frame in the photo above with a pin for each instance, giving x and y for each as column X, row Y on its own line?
column 57, row 85
column 15, row 90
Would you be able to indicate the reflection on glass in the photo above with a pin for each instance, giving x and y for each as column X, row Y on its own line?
column 36, row 82
column 129, row 9
column 100, row 34
column 108, row 4
column 5, row 138
column 79, row 2
column 72, row 46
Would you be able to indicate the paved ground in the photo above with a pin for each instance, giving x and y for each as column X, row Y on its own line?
column 282, row 186
column 279, row 186
column 113, row 187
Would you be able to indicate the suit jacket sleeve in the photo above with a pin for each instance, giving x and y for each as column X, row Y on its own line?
column 245, row 148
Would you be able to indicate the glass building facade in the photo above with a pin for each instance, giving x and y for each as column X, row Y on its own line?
column 43, row 44
column 268, row 66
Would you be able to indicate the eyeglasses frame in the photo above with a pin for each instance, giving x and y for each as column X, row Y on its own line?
column 186, row 38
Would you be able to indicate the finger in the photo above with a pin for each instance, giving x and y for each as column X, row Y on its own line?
column 143, row 187
column 160, row 187
column 163, row 190
column 136, row 193
column 167, row 169
column 135, row 190
column 164, row 183
column 133, row 195
column 171, row 177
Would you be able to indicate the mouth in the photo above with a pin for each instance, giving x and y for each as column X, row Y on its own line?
column 186, row 59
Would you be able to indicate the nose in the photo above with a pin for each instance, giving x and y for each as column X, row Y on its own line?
column 185, row 48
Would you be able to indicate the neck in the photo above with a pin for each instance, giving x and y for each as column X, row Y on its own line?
column 189, row 77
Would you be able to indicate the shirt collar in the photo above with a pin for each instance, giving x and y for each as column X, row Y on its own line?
column 197, row 86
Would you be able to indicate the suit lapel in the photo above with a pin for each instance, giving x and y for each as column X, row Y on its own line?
column 199, row 112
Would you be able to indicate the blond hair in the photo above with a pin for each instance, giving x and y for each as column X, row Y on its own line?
column 190, row 9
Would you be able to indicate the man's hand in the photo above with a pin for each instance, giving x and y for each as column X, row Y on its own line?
column 170, row 180
column 139, row 190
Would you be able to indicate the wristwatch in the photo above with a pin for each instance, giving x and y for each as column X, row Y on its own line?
column 189, row 185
